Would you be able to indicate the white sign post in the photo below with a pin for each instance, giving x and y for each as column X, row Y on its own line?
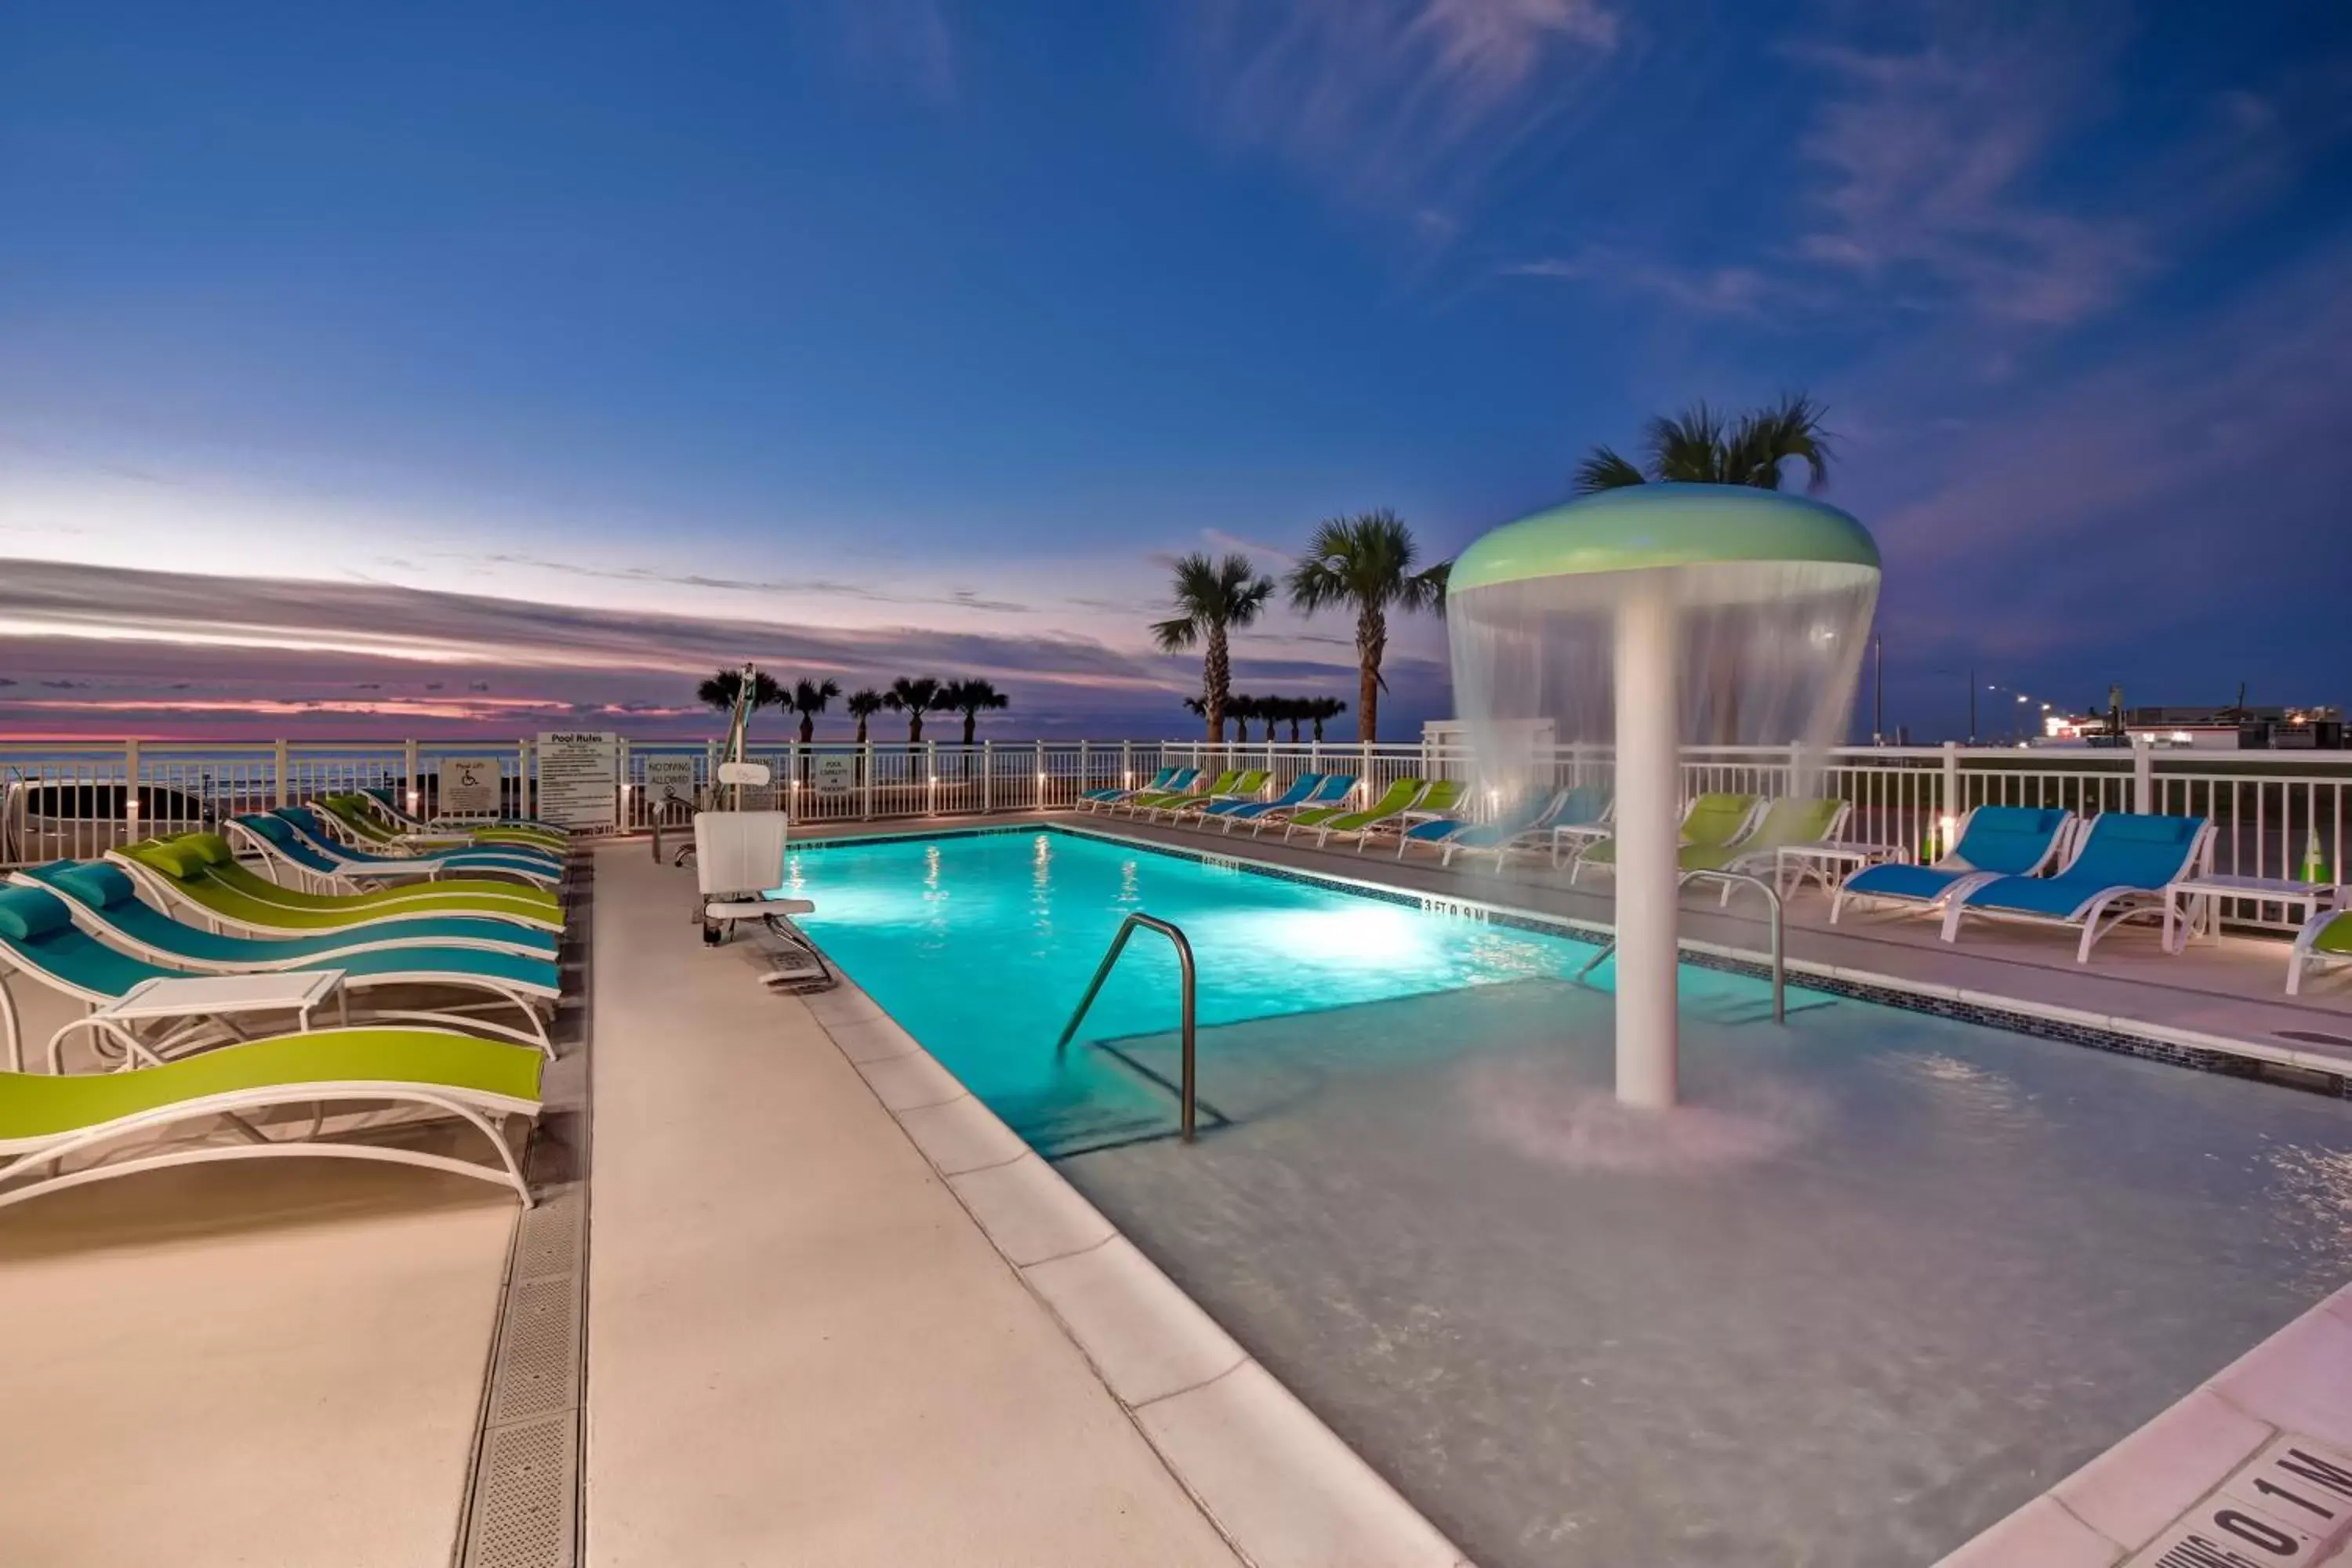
column 669, row 781
column 578, row 778
column 470, row 787
column 836, row 773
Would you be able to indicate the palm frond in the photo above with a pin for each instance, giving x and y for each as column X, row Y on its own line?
column 1604, row 468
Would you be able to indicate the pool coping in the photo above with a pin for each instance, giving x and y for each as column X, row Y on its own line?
column 1281, row 1486
column 2124, row 1508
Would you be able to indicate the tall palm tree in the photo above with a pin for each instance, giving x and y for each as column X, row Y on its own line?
column 1365, row 564
column 913, row 696
column 809, row 698
column 863, row 704
column 1319, row 708
column 721, row 690
column 969, row 697
column 1212, row 598
column 1699, row 446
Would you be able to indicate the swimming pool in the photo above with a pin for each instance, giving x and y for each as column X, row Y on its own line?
column 980, row 945
column 1885, row 1278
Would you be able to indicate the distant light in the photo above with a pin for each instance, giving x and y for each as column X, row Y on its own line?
column 2021, row 696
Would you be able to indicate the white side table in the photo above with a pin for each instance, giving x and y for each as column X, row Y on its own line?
column 216, row 997
column 2191, row 904
column 1827, row 862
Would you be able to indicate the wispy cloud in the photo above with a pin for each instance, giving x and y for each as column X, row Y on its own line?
column 1395, row 101
column 814, row 587
column 1728, row 290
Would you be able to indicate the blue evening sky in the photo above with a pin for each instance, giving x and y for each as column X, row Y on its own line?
column 559, row 353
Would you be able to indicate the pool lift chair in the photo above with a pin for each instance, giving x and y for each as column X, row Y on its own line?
column 738, row 864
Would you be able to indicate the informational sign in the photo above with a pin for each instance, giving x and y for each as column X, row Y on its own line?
column 669, row 781
column 470, row 787
column 835, row 772
column 578, row 778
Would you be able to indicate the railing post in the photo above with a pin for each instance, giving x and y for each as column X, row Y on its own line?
column 621, row 813
column 280, row 761
column 866, row 807
column 1086, row 765
column 1947, row 809
column 1040, row 775
column 1126, row 763
column 987, row 775
column 131, row 787
column 2143, row 779
column 412, row 783
column 524, row 782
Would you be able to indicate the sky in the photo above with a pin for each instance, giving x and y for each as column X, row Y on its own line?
column 450, row 370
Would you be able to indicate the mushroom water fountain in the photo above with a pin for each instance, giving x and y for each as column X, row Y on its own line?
column 1638, row 620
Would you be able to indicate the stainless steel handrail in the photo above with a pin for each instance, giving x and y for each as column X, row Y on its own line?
column 1779, row 967
column 1102, row 972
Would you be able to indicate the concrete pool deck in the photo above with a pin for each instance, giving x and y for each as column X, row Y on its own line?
column 801, row 1345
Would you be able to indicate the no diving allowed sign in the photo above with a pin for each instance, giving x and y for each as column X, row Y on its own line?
column 2286, row 1508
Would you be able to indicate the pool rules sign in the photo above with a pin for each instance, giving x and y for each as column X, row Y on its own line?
column 578, row 778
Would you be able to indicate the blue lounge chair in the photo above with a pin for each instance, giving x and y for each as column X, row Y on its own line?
column 331, row 837
column 1585, row 805
column 1094, row 798
column 329, row 868
column 1332, row 789
column 1301, row 789
column 1993, row 841
column 152, row 944
column 2122, row 863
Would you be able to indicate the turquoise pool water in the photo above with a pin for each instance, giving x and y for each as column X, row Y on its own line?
column 981, row 945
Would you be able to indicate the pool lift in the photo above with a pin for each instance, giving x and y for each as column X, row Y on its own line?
column 738, row 861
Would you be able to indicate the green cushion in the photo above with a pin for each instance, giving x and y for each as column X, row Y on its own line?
column 175, row 859
column 2335, row 936
column 44, row 1105
column 211, row 848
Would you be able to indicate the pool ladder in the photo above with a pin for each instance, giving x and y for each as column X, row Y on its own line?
column 1779, row 968
column 1102, row 972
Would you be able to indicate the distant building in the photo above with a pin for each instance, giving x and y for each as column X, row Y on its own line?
column 2229, row 727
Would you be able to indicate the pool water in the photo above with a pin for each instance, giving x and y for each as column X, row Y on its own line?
column 981, row 945
column 1881, row 1279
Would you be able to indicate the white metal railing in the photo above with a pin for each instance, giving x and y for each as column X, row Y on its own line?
column 78, row 799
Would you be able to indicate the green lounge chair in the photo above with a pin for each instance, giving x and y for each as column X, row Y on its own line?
column 1146, row 801
column 1159, row 783
column 2324, row 943
column 530, row 828
column 1249, row 786
column 213, row 1105
column 1431, row 817
column 1398, row 796
column 178, row 884
column 363, row 817
column 1709, row 822
column 1800, row 820
column 203, row 865
column 332, row 834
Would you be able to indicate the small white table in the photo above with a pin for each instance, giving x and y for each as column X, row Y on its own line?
column 218, row 998
column 2191, row 904
column 1827, row 862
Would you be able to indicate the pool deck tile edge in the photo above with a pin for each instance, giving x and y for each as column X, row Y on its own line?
column 2298, row 1383
column 1282, row 1488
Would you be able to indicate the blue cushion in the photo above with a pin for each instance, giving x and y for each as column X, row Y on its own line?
column 95, row 884
column 2012, row 839
column 28, row 912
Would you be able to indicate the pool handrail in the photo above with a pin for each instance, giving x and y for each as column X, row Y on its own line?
column 1175, row 936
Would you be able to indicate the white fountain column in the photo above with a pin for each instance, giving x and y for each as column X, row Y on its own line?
column 1649, row 790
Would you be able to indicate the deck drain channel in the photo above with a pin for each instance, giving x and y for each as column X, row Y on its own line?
column 521, row 1508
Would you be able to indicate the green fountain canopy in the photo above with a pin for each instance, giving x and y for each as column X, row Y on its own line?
column 1643, row 527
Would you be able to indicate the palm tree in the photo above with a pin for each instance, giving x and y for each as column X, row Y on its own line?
column 1241, row 708
column 722, row 688
column 863, row 704
column 1321, row 708
column 1365, row 563
column 1212, row 598
column 913, row 697
column 969, row 697
column 1287, row 709
column 1699, row 446
column 808, row 699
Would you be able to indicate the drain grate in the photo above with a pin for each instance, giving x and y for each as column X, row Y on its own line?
column 539, row 1352
column 524, row 1505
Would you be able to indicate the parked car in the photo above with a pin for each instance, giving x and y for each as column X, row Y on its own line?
column 45, row 819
